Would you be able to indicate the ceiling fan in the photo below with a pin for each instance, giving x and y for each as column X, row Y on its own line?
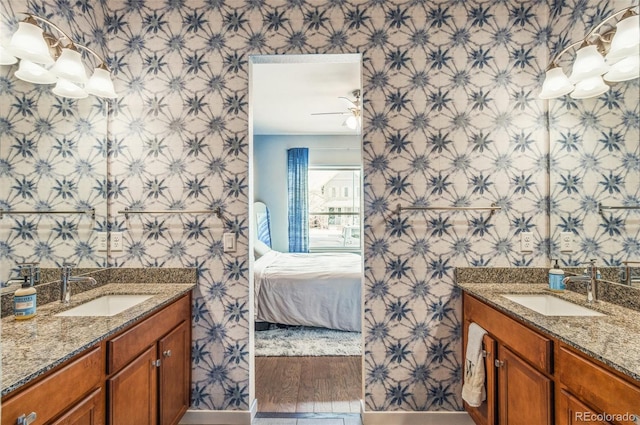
column 353, row 111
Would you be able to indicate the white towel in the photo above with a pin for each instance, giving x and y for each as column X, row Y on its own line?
column 473, row 391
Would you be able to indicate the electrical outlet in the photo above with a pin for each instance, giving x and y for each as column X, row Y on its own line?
column 117, row 241
column 103, row 241
column 229, row 242
column 566, row 242
column 526, row 242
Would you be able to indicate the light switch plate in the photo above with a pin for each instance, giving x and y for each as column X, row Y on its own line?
column 526, row 242
column 117, row 241
column 566, row 242
column 103, row 241
column 229, row 242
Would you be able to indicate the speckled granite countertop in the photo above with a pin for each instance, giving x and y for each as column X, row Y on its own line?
column 613, row 339
column 34, row 346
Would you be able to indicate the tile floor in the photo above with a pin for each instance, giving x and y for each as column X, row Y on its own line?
column 311, row 419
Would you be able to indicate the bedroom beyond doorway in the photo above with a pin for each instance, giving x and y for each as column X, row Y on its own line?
column 305, row 183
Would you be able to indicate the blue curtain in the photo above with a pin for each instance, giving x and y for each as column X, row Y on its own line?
column 297, row 192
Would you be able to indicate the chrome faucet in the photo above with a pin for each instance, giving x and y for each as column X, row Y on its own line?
column 29, row 272
column 591, row 279
column 65, row 280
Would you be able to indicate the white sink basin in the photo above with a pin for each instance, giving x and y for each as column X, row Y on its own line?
column 108, row 305
column 551, row 306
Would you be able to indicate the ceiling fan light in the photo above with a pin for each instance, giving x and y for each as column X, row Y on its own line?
column 588, row 63
column 28, row 43
column 351, row 122
column 626, row 40
column 69, row 66
column 65, row 88
column 624, row 70
column 34, row 73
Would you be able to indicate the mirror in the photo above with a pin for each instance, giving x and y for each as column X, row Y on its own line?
column 594, row 167
column 53, row 154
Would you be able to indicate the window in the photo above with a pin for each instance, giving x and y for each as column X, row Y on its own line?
column 334, row 220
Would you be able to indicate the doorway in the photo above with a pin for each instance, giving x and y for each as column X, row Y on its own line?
column 310, row 102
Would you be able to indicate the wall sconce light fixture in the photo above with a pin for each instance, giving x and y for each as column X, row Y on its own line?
column 47, row 59
column 612, row 56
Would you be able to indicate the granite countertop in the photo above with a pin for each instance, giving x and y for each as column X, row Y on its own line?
column 612, row 339
column 32, row 347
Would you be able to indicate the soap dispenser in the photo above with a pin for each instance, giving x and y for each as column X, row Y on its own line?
column 24, row 301
column 556, row 277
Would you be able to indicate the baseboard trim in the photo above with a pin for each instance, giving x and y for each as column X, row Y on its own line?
column 416, row 418
column 220, row 417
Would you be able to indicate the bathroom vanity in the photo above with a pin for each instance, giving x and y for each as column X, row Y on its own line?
column 549, row 369
column 130, row 368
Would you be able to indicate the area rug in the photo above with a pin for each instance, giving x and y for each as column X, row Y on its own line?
column 307, row 341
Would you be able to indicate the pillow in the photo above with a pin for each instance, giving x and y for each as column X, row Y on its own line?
column 260, row 248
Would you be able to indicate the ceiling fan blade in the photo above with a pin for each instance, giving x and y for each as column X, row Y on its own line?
column 350, row 103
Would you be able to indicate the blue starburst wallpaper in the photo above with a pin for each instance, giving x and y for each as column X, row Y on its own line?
column 595, row 159
column 451, row 118
column 52, row 155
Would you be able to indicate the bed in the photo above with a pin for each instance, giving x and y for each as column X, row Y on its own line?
column 309, row 289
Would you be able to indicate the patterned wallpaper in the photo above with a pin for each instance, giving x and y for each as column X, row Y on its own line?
column 52, row 155
column 450, row 118
column 595, row 160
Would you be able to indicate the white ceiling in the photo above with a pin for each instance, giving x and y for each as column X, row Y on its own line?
column 287, row 89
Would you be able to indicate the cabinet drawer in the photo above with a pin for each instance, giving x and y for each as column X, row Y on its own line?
column 58, row 391
column 529, row 345
column 596, row 386
column 126, row 346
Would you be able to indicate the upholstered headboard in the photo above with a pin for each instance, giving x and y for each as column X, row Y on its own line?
column 263, row 225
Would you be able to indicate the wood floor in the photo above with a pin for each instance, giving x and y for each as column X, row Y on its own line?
column 309, row 384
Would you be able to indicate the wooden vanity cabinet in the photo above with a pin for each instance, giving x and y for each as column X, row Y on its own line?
column 518, row 364
column 72, row 393
column 88, row 411
column 536, row 379
column 149, row 369
column 140, row 376
column 524, row 393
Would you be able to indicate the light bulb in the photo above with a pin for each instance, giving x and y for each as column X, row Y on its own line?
column 100, row 84
column 624, row 70
column 6, row 58
column 588, row 63
column 65, row 88
column 28, row 43
column 589, row 87
column 625, row 41
column 69, row 66
column 555, row 84
column 34, row 73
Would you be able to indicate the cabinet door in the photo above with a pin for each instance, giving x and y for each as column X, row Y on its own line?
column 175, row 374
column 88, row 411
column 572, row 411
column 485, row 414
column 524, row 394
column 133, row 392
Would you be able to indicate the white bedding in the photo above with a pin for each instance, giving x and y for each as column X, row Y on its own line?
column 316, row 289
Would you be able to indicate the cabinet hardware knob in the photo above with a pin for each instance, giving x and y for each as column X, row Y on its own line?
column 498, row 363
column 156, row 363
column 486, row 353
column 26, row 419
column 166, row 353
